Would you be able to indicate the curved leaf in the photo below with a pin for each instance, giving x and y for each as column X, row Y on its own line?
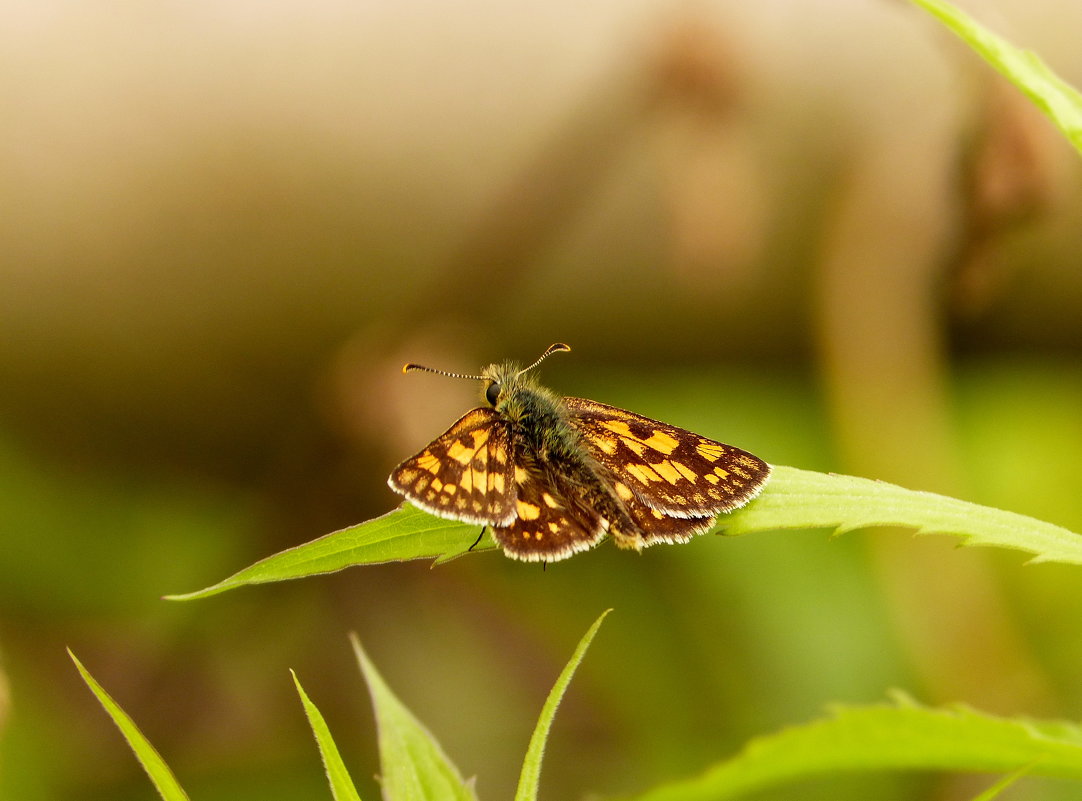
column 805, row 499
column 160, row 775
column 793, row 499
column 414, row 766
column 530, row 777
column 401, row 534
column 1059, row 101
column 342, row 787
column 903, row 736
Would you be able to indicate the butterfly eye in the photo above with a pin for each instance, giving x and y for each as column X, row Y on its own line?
column 492, row 393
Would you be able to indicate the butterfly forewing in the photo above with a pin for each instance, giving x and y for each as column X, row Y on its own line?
column 465, row 474
column 671, row 470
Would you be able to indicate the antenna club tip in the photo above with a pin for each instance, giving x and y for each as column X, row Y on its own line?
column 408, row 367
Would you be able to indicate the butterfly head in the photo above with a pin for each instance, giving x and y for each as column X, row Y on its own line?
column 499, row 379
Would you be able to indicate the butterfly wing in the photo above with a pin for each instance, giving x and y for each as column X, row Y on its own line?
column 666, row 469
column 465, row 474
column 551, row 523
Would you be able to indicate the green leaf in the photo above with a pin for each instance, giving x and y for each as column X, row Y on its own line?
column 414, row 767
column 902, row 736
column 342, row 787
column 793, row 499
column 531, row 767
column 1059, row 101
column 805, row 499
column 159, row 773
column 404, row 533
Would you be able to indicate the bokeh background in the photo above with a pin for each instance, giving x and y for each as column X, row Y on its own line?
column 820, row 230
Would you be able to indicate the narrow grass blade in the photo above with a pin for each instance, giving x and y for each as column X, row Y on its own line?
column 900, row 736
column 159, row 773
column 530, row 777
column 1059, row 101
column 342, row 788
column 414, row 767
column 804, row 499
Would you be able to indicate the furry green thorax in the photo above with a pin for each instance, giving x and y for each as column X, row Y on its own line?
column 537, row 412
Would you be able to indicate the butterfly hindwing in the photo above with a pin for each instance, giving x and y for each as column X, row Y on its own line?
column 669, row 469
column 465, row 474
column 548, row 525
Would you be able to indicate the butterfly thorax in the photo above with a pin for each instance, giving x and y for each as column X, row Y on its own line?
column 536, row 414
column 546, row 442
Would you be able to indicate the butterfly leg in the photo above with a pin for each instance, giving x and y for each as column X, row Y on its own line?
column 479, row 536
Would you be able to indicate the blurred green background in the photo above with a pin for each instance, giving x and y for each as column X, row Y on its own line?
column 822, row 232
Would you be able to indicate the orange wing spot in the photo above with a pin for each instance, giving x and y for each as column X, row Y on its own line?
column 711, row 478
column 450, row 489
column 722, row 473
column 520, row 475
column 658, row 441
column 467, row 481
column 617, row 426
column 461, row 501
column 554, row 527
column 657, row 514
column 538, row 535
column 661, row 442
column 426, row 461
column 437, row 485
column 460, row 453
column 667, row 471
column 478, row 506
column 606, row 445
column 709, row 450
column 623, row 491
column 480, row 437
column 527, row 511
column 550, row 502
column 685, row 471
column 642, row 473
column 500, row 454
column 496, row 482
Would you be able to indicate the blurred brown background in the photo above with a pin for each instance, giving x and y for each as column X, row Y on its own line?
column 822, row 231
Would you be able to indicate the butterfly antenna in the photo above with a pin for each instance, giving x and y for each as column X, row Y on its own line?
column 412, row 368
column 559, row 346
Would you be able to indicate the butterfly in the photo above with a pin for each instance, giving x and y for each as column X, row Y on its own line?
column 550, row 476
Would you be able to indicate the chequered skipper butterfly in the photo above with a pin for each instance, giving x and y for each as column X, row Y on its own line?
column 551, row 476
